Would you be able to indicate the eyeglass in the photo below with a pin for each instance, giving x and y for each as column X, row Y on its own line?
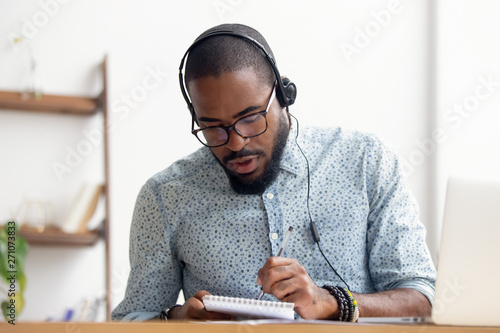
column 249, row 126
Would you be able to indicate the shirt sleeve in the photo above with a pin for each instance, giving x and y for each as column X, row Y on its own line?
column 155, row 275
column 398, row 254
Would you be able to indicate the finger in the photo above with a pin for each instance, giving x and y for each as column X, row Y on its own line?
column 193, row 308
column 273, row 262
column 297, row 282
column 295, row 293
column 274, row 276
column 296, row 286
column 280, row 261
column 199, row 295
column 284, row 288
column 290, row 298
column 199, row 311
column 210, row 315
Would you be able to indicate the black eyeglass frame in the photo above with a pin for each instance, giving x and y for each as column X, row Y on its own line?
column 227, row 129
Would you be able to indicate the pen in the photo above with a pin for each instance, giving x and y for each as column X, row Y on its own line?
column 280, row 253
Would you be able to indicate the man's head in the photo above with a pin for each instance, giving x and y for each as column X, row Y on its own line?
column 229, row 78
column 226, row 53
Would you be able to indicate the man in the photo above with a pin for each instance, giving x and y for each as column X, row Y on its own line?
column 211, row 222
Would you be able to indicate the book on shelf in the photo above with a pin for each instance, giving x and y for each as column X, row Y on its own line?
column 99, row 213
column 83, row 208
column 89, row 309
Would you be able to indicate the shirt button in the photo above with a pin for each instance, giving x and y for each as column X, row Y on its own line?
column 270, row 196
column 274, row 236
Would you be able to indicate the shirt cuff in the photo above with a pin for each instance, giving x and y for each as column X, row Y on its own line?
column 140, row 316
column 423, row 286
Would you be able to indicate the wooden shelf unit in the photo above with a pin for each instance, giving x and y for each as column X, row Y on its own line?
column 71, row 105
column 53, row 236
column 49, row 103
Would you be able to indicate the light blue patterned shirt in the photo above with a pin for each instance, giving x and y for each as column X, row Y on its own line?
column 191, row 231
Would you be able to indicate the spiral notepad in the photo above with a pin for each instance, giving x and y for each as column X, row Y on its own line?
column 249, row 308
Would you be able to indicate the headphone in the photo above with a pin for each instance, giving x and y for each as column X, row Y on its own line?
column 286, row 91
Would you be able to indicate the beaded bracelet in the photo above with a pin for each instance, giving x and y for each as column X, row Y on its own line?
column 355, row 313
column 342, row 301
column 350, row 304
column 355, row 304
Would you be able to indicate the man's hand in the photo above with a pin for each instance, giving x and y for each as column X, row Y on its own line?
column 288, row 281
column 193, row 308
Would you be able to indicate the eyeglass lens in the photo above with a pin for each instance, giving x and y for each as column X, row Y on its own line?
column 249, row 126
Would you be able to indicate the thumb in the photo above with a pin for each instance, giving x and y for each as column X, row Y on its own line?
column 199, row 295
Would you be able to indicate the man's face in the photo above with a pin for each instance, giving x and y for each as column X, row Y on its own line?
column 252, row 163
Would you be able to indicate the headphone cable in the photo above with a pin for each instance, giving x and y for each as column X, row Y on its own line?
column 314, row 229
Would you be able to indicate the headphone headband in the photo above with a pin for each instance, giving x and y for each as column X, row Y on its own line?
column 287, row 90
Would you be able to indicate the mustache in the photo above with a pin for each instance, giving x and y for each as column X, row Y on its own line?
column 242, row 153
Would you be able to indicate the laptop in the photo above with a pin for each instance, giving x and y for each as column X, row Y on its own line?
column 468, row 280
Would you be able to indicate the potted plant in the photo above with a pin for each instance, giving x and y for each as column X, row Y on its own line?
column 13, row 250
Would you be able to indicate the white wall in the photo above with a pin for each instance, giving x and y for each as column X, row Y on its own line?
column 384, row 87
column 68, row 57
column 468, row 94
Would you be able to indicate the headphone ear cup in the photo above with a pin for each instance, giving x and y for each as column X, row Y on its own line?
column 290, row 90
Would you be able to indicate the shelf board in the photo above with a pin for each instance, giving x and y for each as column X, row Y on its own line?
column 54, row 236
column 12, row 100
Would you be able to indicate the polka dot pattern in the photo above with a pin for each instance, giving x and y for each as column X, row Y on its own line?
column 190, row 231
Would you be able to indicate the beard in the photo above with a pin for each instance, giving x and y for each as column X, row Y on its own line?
column 271, row 169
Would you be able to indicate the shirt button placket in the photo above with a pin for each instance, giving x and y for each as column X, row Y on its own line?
column 271, row 202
